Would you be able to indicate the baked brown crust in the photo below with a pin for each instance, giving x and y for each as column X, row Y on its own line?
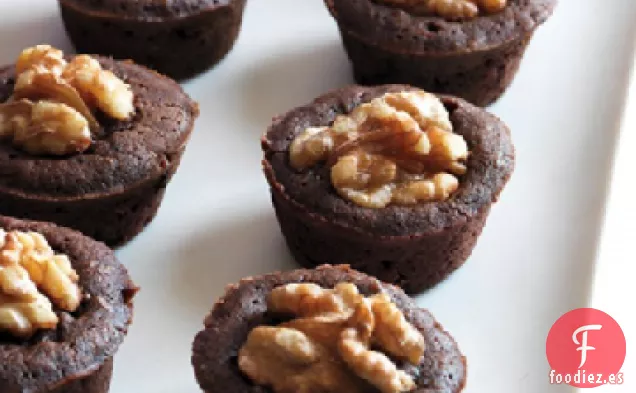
column 84, row 342
column 442, row 368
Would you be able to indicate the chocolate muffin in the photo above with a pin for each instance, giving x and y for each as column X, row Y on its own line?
column 325, row 301
column 467, row 48
column 45, row 345
column 179, row 38
column 107, row 182
column 410, row 234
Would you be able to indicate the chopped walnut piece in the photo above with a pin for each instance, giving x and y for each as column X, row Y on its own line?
column 446, row 147
column 40, row 84
column 44, row 127
column 364, row 178
column 288, row 344
column 426, row 109
column 397, row 149
column 31, row 277
column 22, row 317
column 310, row 146
column 453, row 9
column 327, row 347
column 41, row 57
column 449, row 9
column 310, row 299
column 394, row 333
column 291, row 362
column 321, row 328
column 439, row 187
column 492, row 6
column 100, row 88
column 373, row 366
column 359, row 170
column 303, row 300
column 14, row 115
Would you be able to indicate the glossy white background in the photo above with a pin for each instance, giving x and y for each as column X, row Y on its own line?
column 534, row 262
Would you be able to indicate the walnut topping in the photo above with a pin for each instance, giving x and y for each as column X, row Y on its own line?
column 397, row 149
column 31, row 277
column 44, row 127
column 373, row 366
column 40, row 84
column 327, row 348
column 100, row 88
column 51, row 110
column 41, row 56
column 450, row 9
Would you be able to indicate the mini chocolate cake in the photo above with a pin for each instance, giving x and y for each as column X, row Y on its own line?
column 414, row 245
column 179, row 38
column 76, row 356
column 221, row 355
column 112, row 187
column 435, row 47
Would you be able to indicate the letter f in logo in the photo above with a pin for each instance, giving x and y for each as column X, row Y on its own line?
column 584, row 348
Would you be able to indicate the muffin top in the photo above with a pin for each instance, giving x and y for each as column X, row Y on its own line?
column 381, row 23
column 487, row 168
column 244, row 307
column 82, row 340
column 122, row 153
column 146, row 9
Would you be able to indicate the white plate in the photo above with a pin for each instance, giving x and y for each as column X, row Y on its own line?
column 534, row 262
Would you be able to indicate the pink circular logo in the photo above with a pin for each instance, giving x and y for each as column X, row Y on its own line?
column 586, row 348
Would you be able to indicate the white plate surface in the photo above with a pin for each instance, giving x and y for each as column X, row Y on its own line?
column 535, row 260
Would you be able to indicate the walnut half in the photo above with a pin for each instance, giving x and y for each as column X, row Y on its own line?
column 328, row 346
column 51, row 109
column 397, row 149
column 32, row 279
